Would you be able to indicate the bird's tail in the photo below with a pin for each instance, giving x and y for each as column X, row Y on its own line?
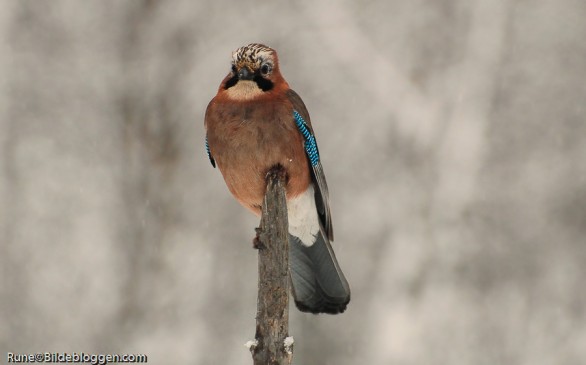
column 319, row 286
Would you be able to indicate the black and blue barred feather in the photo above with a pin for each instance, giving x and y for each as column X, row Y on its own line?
column 310, row 144
column 212, row 161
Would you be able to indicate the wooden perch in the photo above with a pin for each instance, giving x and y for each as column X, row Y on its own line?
column 272, row 313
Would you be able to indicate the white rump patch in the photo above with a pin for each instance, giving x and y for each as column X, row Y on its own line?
column 244, row 90
column 303, row 219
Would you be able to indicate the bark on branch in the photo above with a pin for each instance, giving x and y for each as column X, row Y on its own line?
column 272, row 241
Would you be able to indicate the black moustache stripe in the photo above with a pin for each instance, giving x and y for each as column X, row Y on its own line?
column 231, row 82
column 262, row 83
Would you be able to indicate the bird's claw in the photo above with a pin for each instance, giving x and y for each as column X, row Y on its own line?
column 256, row 242
column 276, row 172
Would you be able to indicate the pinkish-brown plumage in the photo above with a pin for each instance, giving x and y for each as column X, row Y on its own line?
column 251, row 128
column 247, row 139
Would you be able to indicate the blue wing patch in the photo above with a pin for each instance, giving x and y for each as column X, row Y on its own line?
column 209, row 154
column 310, row 145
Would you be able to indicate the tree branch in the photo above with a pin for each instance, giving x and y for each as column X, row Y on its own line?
column 272, row 241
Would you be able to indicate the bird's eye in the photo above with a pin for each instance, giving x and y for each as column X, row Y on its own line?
column 265, row 69
column 234, row 69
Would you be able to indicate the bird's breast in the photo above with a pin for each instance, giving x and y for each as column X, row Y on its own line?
column 247, row 140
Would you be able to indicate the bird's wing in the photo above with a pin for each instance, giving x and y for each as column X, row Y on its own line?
column 301, row 117
column 212, row 161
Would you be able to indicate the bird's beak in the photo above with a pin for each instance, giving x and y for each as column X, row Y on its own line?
column 245, row 74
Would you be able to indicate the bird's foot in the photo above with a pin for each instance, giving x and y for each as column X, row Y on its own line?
column 277, row 172
column 256, row 242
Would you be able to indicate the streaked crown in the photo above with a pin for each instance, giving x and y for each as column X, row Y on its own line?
column 253, row 56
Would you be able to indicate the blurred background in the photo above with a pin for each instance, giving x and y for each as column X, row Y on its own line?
column 452, row 134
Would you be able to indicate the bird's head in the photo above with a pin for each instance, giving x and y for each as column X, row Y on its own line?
column 254, row 73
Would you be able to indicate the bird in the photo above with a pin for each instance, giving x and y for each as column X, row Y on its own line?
column 254, row 124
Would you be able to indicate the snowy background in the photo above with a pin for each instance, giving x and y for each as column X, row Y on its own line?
column 453, row 136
